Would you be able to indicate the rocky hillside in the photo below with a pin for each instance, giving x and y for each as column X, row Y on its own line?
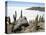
column 37, row 8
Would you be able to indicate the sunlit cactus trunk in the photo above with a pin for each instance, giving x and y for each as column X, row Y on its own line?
column 14, row 16
column 21, row 13
column 36, row 23
column 9, row 21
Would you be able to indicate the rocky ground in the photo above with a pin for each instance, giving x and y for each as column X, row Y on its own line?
column 30, row 28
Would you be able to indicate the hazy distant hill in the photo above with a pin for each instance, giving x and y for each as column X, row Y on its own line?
column 37, row 8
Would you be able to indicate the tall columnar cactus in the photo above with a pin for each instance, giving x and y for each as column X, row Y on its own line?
column 9, row 20
column 14, row 16
column 36, row 22
column 37, row 19
column 40, row 19
column 21, row 13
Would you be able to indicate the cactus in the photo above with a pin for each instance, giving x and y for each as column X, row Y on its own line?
column 21, row 13
column 14, row 16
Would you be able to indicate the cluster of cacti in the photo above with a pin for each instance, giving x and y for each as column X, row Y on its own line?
column 41, row 19
column 22, row 25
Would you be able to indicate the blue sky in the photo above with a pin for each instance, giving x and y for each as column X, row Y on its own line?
column 24, row 4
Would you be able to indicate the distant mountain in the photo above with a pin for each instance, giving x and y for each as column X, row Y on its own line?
column 37, row 8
